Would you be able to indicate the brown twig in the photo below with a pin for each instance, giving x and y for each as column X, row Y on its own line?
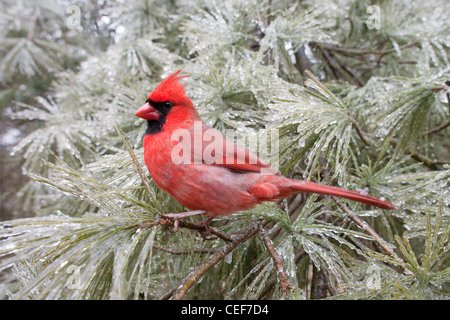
column 412, row 44
column 444, row 125
column 359, row 131
column 332, row 64
column 364, row 55
column 329, row 55
column 432, row 164
column 447, row 123
column 272, row 278
column 196, row 250
column 439, row 128
column 367, row 228
column 278, row 262
column 328, row 283
column 352, row 72
column 367, row 51
column 448, row 102
column 168, row 294
column 186, row 284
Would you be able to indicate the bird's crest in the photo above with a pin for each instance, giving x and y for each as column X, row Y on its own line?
column 170, row 89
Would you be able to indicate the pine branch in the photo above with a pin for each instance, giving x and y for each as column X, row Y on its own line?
column 439, row 128
column 336, row 66
column 360, row 132
column 432, row 164
column 143, row 177
column 97, row 208
column 187, row 283
column 193, row 250
column 354, row 51
column 272, row 279
column 445, row 124
column 169, row 222
column 277, row 261
column 363, row 225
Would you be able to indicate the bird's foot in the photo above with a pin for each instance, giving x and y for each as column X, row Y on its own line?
column 205, row 223
column 177, row 216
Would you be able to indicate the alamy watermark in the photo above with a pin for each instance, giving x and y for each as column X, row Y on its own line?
column 73, row 281
column 210, row 146
column 73, row 22
column 370, row 279
column 374, row 277
column 374, row 20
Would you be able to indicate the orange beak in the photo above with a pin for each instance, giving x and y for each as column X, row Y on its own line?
column 147, row 112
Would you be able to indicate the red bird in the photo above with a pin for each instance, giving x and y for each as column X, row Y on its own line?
column 206, row 171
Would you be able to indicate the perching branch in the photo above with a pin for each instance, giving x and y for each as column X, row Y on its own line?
column 187, row 283
column 169, row 222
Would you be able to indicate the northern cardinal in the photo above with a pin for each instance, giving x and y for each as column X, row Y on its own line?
column 205, row 171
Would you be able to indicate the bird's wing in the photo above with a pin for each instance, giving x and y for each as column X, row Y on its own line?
column 214, row 148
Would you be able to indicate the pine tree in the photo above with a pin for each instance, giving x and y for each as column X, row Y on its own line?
column 357, row 91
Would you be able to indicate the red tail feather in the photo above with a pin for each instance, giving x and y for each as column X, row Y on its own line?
column 335, row 191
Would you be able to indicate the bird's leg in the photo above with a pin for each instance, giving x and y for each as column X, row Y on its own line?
column 178, row 216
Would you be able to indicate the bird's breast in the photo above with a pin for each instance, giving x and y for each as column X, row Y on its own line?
column 157, row 157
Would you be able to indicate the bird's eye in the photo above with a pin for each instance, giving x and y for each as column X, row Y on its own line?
column 168, row 105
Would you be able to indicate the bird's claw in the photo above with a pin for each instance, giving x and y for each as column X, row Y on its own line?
column 177, row 216
column 176, row 225
column 205, row 224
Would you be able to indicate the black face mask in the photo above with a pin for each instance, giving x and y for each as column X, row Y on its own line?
column 155, row 126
